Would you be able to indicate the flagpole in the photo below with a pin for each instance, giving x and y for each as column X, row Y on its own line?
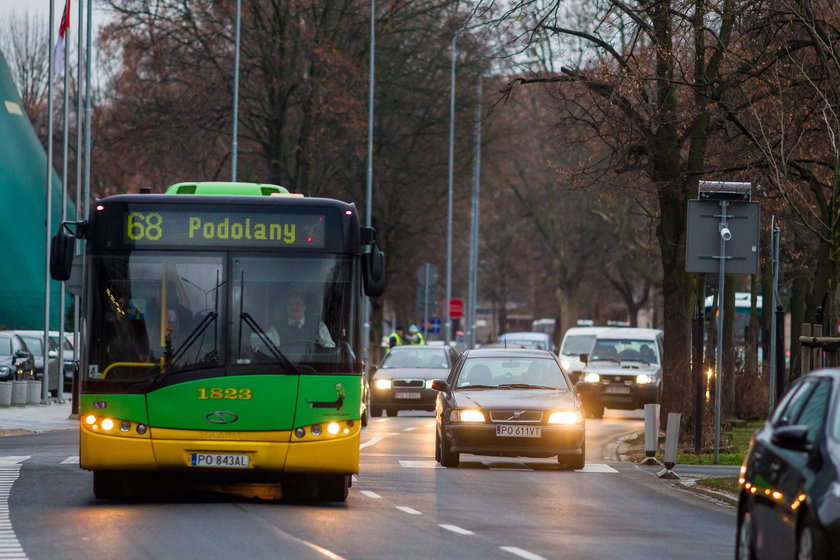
column 65, row 21
column 47, row 224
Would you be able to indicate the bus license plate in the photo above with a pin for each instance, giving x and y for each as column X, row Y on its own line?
column 505, row 430
column 222, row 460
column 407, row 395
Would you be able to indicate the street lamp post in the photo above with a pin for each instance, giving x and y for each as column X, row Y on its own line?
column 448, row 322
column 369, row 182
column 473, row 273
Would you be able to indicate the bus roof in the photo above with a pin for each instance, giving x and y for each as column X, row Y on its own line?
column 242, row 189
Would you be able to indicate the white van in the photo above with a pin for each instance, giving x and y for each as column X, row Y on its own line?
column 577, row 341
column 623, row 370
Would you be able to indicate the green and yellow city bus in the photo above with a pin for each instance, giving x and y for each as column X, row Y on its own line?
column 188, row 363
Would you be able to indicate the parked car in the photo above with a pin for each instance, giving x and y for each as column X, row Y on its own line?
column 788, row 503
column 577, row 341
column 538, row 340
column 403, row 381
column 508, row 402
column 16, row 361
column 71, row 365
column 623, row 370
column 35, row 343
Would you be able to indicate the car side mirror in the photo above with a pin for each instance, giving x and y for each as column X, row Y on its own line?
column 793, row 437
column 584, row 358
column 22, row 355
column 440, row 385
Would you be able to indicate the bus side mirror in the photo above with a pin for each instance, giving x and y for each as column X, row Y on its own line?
column 373, row 272
column 61, row 255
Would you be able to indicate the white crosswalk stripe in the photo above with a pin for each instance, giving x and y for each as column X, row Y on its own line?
column 72, row 460
column 9, row 472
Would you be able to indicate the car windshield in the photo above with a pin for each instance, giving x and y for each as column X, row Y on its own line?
column 577, row 344
column 416, row 358
column 35, row 344
column 628, row 350
column 511, row 373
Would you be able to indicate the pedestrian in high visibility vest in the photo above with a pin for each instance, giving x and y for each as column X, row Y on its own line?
column 396, row 338
column 414, row 336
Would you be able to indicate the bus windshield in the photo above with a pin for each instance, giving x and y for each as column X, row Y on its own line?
column 158, row 314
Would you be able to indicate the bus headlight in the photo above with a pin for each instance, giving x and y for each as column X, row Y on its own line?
column 565, row 417
column 382, row 383
column 592, row 378
column 644, row 379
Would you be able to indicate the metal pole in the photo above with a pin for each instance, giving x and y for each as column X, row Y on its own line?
column 82, row 342
column 235, row 143
column 447, row 331
column 366, row 311
column 62, row 294
column 79, row 155
column 697, row 374
column 473, row 274
column 724, row 205
column 774, row 254
column 426, row 269
column 48, row 213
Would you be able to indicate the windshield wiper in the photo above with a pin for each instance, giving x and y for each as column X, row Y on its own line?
column 477, row 387
column 524, row 386
column 284, row 361
column 192, row 337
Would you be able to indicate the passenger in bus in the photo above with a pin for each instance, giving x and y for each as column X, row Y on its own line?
column 126, row 339
column 171, row 326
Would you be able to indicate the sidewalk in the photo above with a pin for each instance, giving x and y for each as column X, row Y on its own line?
column 17, row 420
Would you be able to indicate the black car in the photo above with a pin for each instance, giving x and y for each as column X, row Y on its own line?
column 511, row 403
column 403, row 381
column 789, row 499
column 16, row 361
column 35, row 344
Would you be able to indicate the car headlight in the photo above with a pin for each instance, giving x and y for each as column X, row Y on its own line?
column 644, row 379
column 592, row 378
column 565, row 417
column 382, row 383
column 468, row 415
column 565, row 364
column 429, row 383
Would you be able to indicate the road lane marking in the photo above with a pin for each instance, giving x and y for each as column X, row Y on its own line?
column 515, row 550
column 392, row 434
column 9, row 473
column 72, row 460
column 371, row 442
column 420, row 464
column 597, row 468
column 409, row 429
column 409, row 510
column 455, row 529
column 370, row 494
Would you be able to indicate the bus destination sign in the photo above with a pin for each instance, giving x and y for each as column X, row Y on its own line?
column 190, row 228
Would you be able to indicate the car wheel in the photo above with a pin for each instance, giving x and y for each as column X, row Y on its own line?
column 575, row 462
column 745, row 547
column 448, row 458
column 365, row 417
column 596, row 410
column 391, row 411
column 376, row 411
column 809, row 545
column 437, row 446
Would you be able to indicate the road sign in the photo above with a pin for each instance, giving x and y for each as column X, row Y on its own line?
column 427, row 274
column 426, row 296
column 434, row 325
column 456, row 308
column 703, row 235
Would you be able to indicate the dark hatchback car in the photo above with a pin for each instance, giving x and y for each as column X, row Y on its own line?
column 403, row 381
column 789, row 499
column 510, row 403
column 16, row 361
column 35, row 344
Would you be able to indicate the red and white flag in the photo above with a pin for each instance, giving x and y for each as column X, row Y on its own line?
column 62, row 32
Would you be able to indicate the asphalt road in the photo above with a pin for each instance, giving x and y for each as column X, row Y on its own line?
column 402, row 505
